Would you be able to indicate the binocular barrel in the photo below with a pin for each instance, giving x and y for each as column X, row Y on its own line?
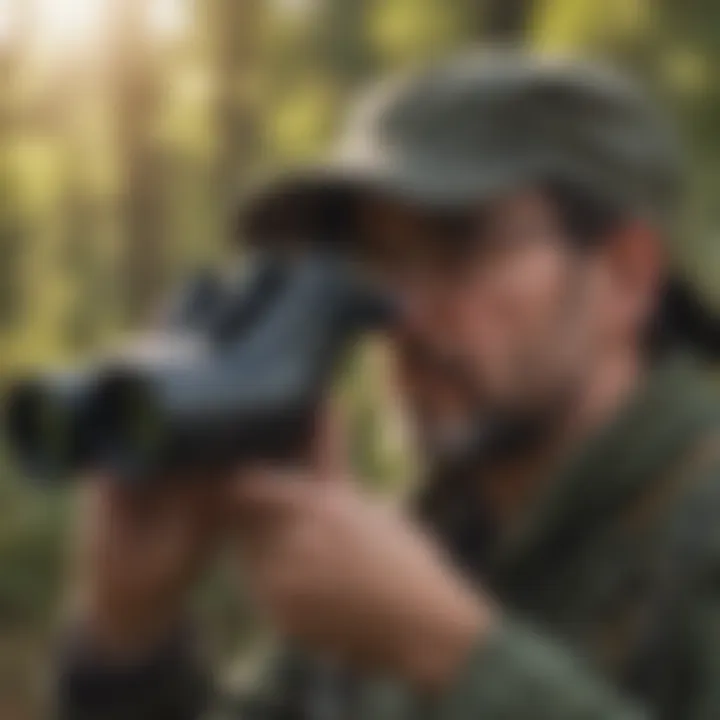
column 247, row 386
column 47, row 425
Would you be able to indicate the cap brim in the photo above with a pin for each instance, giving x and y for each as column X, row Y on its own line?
column 319, row 199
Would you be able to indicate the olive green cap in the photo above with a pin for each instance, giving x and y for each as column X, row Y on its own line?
column 479, row 124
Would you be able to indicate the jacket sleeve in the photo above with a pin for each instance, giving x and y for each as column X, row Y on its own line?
column 515, row 673
column 173, row 683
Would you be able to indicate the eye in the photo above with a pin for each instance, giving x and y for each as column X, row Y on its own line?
column 452, row 239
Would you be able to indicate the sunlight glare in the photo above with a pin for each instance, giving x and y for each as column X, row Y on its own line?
column 168, row 18
column 69, row 22
column 6, row 21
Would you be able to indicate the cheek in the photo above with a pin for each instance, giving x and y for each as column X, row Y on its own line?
column 537, row 299
column 499, row 315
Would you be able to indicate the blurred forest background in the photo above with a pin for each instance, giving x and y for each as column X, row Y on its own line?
column 128, row 128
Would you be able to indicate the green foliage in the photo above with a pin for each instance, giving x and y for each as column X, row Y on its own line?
column 582, row 25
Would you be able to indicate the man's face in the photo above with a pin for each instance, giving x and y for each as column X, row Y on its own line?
column 503, row 299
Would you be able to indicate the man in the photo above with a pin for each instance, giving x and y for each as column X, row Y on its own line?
column 565, row 557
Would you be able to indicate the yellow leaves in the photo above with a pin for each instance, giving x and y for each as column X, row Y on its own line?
column 187, row 113
column 303, row 121
column 570, row 25
column 687, row 70
column 380, row 440
column 35, row 163
column 406, row 31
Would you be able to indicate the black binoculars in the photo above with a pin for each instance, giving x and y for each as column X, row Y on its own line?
column 236, row 371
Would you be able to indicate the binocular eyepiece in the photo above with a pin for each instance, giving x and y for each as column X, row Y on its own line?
column 236, row 372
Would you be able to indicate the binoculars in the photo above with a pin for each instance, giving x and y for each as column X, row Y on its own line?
column 236, row 372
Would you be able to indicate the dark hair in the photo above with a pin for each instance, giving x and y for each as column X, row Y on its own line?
column 683, row 320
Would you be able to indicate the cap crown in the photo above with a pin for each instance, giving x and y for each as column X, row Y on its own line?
column 493, row 118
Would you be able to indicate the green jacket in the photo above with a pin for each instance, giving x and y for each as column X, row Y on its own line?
column 611, row 605
column 609, row 589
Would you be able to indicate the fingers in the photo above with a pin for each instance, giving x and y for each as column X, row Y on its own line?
column 264, row 493
column 263, row 506
column 133, row 526
column 263, row 497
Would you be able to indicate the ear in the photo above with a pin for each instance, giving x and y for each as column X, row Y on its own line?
column 636, row 263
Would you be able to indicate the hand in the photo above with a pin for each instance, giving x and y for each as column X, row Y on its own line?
column 350, row 578
column 140, row 550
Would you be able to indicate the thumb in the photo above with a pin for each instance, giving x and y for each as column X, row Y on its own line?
column 330, row 458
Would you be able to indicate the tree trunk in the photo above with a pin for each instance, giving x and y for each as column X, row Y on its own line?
column 234, row 38
column 507, row 19
column 504, row 20
column 341, row 43
column 12, row 242
column 136, row 89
